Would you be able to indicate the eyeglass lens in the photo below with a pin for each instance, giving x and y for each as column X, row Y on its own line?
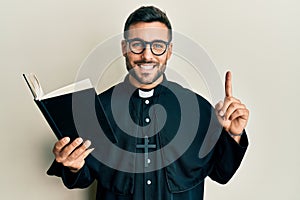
column 157, row 47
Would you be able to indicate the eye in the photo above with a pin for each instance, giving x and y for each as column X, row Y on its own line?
column 137, row 44
column 158, row 45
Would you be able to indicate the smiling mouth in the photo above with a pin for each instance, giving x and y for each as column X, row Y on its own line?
column 147, row 66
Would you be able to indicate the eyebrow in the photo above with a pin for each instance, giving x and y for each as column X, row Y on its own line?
column 137, row 38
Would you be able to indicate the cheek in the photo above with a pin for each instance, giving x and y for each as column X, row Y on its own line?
column 133, row 57
column 130, row 60
column 163, row 60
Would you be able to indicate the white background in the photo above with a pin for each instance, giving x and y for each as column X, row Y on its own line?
column 257, row 40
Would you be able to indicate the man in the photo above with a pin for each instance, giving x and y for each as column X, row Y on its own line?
column 147, row 47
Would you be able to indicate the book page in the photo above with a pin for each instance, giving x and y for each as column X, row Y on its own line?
column 78, row 86
column 33, row 85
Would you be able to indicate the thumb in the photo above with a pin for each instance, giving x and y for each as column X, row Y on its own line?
column 218, row 108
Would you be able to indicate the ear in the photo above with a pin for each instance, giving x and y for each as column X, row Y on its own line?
column 124, row 47
column 169, row 52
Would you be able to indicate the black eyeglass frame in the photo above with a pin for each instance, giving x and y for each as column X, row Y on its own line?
column 145, row 45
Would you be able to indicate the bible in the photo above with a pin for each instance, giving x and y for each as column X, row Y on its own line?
column 73, row 111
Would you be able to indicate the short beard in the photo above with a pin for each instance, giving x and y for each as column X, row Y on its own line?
column 134, row 75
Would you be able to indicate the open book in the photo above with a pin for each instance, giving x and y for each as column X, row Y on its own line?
column 74, row 110
column 38, row 93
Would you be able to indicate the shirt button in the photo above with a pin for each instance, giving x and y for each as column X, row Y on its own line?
column 147, row 101
column 148, row 182
column 147, row 120
column 148, row 160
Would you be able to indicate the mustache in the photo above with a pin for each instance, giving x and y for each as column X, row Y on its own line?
column 144, row 62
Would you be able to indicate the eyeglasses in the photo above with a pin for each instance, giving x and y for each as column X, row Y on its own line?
column 137, row 46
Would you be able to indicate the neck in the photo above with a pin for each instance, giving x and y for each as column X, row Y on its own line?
column 137, row 84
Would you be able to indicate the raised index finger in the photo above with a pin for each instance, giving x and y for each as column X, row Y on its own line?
column 228, row 85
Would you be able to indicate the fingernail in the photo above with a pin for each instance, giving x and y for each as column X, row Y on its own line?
column 221, row 113
column 87, row 143
column 79, row 140
column 91, row 150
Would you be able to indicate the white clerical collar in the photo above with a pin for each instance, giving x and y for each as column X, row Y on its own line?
column 146, row 94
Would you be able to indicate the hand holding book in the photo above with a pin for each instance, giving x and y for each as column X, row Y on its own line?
column 71, row 111
column 72, row 154
column 57, row 109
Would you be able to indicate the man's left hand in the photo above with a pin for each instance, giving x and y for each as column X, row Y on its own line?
column 232, row 114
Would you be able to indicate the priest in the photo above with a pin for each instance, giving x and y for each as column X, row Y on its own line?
column 175, row 137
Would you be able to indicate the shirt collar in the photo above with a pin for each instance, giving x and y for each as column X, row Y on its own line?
column 146, row 93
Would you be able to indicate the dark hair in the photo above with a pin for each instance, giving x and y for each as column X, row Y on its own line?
column 147, row 14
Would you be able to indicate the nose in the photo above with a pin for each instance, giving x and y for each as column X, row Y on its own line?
column 147, row 54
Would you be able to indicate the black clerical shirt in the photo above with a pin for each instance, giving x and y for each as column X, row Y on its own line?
column 181, row 179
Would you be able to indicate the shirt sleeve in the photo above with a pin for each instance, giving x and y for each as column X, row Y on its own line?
column 228, row 155
column 82, row 179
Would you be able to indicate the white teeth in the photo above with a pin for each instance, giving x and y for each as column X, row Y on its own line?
column 147, row 67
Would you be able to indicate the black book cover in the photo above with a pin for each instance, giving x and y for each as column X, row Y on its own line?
column 76, row 114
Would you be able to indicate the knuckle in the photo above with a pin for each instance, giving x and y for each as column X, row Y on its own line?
column 73, row 145
column 80, row 150
column 55, row 147
column 76, row 153
column 239, row 112
column 59, row 159
column 227, row 99
column 66, row 164
column 69, row 161
column 234, row 105
column 247, row 111
column 55, row 151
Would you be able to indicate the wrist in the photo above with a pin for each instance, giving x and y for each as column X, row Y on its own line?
column 74, row 170
column 235, row 135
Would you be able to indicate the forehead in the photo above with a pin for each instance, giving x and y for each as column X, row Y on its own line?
column 148, row 31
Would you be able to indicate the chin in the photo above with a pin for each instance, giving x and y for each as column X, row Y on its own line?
column 145, row 81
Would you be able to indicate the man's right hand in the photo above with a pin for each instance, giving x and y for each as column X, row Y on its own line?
column 72, row 154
